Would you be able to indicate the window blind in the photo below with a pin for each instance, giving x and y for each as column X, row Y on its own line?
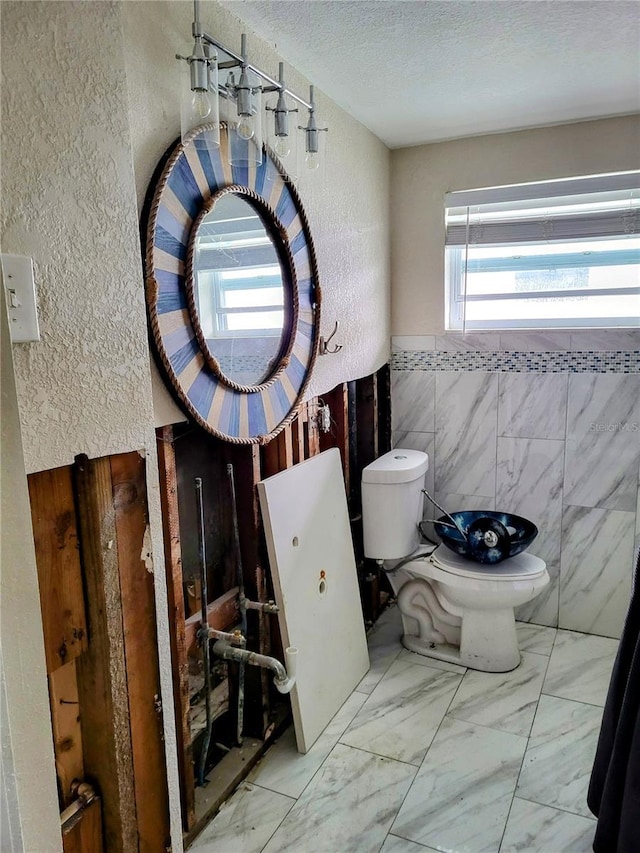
column 550, row 254
column 593, row 215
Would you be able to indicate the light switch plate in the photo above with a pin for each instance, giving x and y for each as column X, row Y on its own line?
column 20, row 292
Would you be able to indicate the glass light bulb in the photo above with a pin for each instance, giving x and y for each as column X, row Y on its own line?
column 201, row 104
column 245, row 127
column 283, row 149
column 312, row 161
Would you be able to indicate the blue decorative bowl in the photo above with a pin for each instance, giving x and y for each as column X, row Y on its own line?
column 489, row 536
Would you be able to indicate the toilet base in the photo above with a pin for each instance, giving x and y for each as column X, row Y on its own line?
column 490, row 645
column 462, row 621
column 441, row 651
column 488, row 650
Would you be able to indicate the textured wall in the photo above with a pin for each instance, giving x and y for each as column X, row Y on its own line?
column 69, row 202
column 421, row 176
column 348, row 211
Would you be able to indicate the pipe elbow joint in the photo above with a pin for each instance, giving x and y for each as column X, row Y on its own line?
column 286, row 685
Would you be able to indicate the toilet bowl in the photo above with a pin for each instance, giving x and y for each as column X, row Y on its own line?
column 453, row 609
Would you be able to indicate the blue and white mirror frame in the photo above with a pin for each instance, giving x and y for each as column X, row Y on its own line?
column 187, row 180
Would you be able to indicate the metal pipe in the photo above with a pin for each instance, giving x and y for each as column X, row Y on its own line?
column 85, row 794
column 214, row 634
column 448, row 514
column 262, row 606
column 204, row 594
column 405, row 560
column 243, row 610
column 285, row 678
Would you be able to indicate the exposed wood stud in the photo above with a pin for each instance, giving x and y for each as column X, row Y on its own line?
column 376, row 410
column 58, row 560
column 101, row 670
column 67, row 731
column 278, row 453
column 313, row 433
column 354, row 477
column 338, row 402
column 85, row 833
column 141, row 652
column 297, row 440
column 222, row 614
column 175, row 596
column 367, row 416
column 384, row 409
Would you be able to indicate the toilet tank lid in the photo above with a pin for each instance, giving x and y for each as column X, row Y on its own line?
column 397, row 466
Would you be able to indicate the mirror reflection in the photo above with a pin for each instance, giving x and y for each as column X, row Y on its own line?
column 239, row 291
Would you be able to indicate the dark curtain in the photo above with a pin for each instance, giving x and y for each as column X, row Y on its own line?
column 614, row 790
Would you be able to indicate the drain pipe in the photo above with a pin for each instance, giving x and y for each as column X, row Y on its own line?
column 284, row 679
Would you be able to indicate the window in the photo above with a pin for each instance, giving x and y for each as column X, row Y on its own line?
column 250, row 301
column 563, row 254
column 238, row 277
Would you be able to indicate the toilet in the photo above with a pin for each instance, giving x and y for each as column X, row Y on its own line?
column 453, row 609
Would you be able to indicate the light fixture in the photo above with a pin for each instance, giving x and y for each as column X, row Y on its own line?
column 281, row 110
column 200, row 106
column 311, row 131
column 245, row 139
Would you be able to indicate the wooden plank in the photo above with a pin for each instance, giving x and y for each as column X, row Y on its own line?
column 85, row 833
column 354, row 476
column 286, row 448
column 313, row 433
column 297, row 440
column 200, row 455
column 102, row 677
column 367, row 416
column 141, row 651
column 218, row 705
column 222, row 614
column 376, row 412
column 383, row 380
column 278, row 453
column 59, row 570
column 67, row 732
column 338, row 402
column 271, row 457
column 193, row 591
column 175, row 596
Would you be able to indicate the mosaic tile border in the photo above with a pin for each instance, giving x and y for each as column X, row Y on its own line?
column 586, row 361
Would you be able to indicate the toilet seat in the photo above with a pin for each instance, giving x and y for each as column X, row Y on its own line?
column 521, row 567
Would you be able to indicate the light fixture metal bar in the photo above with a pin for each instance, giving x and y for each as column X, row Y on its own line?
column 237, row 58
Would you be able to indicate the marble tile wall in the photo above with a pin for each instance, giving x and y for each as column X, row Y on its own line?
column 561, row 448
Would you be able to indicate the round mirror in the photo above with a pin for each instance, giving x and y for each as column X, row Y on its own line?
column 240, row 295
column 232, row 289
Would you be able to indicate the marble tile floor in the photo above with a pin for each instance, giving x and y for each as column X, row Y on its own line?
column 428, row 756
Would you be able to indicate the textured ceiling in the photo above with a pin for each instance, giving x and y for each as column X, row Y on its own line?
column 415, row 71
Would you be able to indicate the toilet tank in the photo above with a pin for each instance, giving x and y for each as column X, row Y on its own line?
column 392, row 503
